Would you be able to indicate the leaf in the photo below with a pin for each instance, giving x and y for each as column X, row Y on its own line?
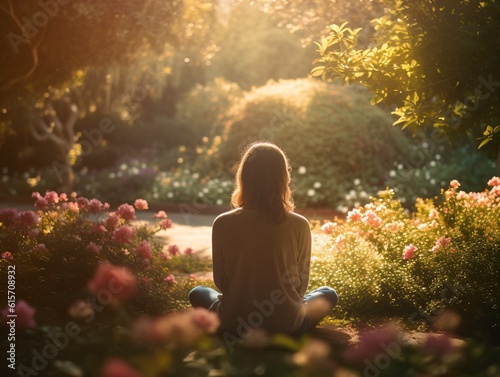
column 485, row 141
column 318, row 71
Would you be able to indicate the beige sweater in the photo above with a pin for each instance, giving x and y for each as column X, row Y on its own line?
column 262, row 270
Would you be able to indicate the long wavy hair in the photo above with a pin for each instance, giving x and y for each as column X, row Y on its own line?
column 263, row 182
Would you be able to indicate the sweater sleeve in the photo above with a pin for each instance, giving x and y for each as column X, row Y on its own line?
column 304, row 260
column 217, row 258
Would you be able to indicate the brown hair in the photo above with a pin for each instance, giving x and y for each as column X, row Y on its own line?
column 263, row 181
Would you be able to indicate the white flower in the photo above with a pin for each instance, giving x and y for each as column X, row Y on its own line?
column 196, row 176
column 392, row 173
column 357, row 181
column 170, row 195
column 317, row 185
column 302, row 170
column 432, row 163
column 311, row 192
column 176, row 184
column 219, row 202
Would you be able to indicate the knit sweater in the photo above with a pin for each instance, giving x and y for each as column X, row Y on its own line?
column 262, row 271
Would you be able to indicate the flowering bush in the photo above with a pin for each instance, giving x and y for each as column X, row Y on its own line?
column 384, row 261
column 70, row 247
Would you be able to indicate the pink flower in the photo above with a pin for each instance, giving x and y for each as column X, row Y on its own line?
column 119, row 282
column 206, row 320
column 94, row 248
column 71, row 206
column 124, row 234
column 454, row 184
column 63, row 197
column 116, row 368
column 174, row 250
column 160, row 215
column 165, row 224
column 141, row 204
column 372, row 343
column 95, row 206
column 189, row 251
column 112, row 221
column 439, row 344
column 328, row 227
column 408, row 252
column 443, row 241
column 42, row 203
column 40, row 248
column 126, row 212
column 25, row 314
column 83, row 203
column 7, row 255
column 51, row 197
column 495, row 181
column 36, row 195
column 144, row 250
column 27, row 218
column 8, row 215
column 170, row 279
column 354, row 215
column 372, row 219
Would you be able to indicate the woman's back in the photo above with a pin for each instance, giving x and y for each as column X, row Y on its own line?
column 262, row 270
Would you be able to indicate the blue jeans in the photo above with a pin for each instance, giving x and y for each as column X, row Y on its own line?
column 208, row 298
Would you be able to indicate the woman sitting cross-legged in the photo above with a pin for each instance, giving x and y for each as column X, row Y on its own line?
column 261, row 255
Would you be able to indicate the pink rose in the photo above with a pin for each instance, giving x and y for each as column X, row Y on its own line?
column 495, row 181
column 454, row 184
column 8, row 215
column 83, row 203
column 116, row 368
column 51, row 197
column 160, row 215
column 174, row 250
column 372, row 219
column 7, row 255
column 144, row 250
column 95, row 206
column 24, row 312
column 170, row 279
column 189, row 251
column 112, row 221
column 328, row 227
column 141, row 204
column 206, row 320
column 409, row 251
column 354, row 215
column 124, row 234
column 27, row 218
column 126, row 212
column 165, row 224
column 120, row 282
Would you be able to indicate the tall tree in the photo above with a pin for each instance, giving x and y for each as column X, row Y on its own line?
column 436, row 61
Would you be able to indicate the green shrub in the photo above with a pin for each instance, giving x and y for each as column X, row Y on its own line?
column 331, row 132
column 447, row 254
column 57, row 249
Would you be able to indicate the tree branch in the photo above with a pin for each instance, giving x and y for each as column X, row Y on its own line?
column 32, row 47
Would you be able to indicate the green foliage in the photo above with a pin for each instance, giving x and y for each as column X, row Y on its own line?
column 331, row 135
column 384, row 262
column 436, row 61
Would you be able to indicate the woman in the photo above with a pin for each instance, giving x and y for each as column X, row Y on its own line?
column 261, row 254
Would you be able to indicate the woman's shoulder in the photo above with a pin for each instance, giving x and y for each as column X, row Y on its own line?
column 227, row 215
column 297, row 219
